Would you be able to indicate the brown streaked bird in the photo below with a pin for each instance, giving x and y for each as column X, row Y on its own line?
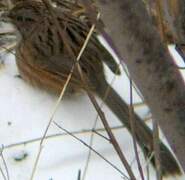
column 43, row 61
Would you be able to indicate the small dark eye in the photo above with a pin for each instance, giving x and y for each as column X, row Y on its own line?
column 29, row 19
column 19, row 18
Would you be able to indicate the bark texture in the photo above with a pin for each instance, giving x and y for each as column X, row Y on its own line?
column 150, row 66
column 169, row 16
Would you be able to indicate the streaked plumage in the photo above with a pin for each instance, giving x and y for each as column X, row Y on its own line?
column 44, row 61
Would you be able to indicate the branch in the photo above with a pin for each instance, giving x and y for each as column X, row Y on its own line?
column 150, row 66
column 171, row 19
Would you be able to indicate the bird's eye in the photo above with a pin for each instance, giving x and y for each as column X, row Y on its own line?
column 29, row 19
column 19, row 18
column 24, row 19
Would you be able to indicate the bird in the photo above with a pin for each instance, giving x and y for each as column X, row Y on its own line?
column 44, row 62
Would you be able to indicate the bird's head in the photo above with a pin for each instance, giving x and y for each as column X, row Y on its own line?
column 25, row 15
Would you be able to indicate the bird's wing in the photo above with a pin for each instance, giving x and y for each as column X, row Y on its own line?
column 78, row 24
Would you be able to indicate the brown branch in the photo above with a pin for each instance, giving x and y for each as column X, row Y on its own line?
column 150, row 66
column 170, row 19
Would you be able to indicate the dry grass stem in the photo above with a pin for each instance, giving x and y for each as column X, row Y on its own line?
column 132, row 124
column 82, row 132
column 7, row 177
column 8, row 48
column 94, row 126
column 157, row 149
column 114, row 142
column 49, row 124
column 109, row 132
column 2, row 173
column 48, row 4
column 92, row 149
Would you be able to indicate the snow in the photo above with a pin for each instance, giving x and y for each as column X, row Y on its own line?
column 24, row 115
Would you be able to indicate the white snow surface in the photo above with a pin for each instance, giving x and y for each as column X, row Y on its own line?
column 24, row 115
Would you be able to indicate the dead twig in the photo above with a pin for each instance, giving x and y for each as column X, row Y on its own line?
column 93, row 130
column 82, row 132
column 132, row 124
column 79, row 175
column 87, row 131
column 5, row 165
column 109, row 132
column 92, row 149
column 157, row 149
column 2, row 173
column 62, row 35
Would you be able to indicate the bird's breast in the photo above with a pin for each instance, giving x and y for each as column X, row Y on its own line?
column 39, row 77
